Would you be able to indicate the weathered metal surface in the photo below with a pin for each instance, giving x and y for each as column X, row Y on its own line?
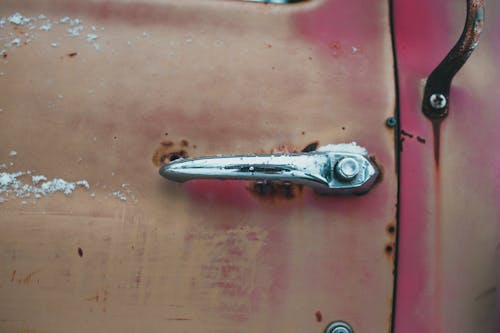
column 449, row 212
column 194, row 78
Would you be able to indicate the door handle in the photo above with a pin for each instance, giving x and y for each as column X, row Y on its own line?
column 332, row 169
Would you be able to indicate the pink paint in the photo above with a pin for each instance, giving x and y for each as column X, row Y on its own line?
column 420, row 28
column 334, row 26
column 227, row 193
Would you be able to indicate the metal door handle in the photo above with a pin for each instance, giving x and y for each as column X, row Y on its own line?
column 333, row 169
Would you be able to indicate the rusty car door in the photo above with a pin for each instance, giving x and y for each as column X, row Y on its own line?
column 96, row 96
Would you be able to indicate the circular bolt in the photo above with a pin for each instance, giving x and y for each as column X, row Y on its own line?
column 438, row 101
column 346, row 169
column 338, row 327
column 391, row 122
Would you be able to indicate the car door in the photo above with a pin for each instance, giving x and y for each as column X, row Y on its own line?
column 97, row 96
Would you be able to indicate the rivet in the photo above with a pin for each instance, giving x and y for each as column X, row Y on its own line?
column 438, row 101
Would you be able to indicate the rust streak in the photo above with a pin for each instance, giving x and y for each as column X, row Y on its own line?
column 436, row 127
column 92, row 298
column 27, row 278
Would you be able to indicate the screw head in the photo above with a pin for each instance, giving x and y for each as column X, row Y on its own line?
column 391, row 122
column 438, row 101
column 338, row 327
column 346, row 169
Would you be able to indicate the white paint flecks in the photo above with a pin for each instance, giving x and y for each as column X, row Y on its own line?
column 344, row 147
column 40, row 24
column 12, row 184
column 120, row 195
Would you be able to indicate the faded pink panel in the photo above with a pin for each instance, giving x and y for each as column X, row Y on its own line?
column 448, row 212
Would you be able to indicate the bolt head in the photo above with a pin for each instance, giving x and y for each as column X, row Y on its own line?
column 391, row 122
column 338, row 327
column 438, row 101
column 346, row 169
column 340, row 330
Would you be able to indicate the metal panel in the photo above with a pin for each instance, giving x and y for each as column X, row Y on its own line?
column 449, row 205
column 192, row 78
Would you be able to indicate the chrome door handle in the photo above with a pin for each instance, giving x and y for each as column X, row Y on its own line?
column 332, row 169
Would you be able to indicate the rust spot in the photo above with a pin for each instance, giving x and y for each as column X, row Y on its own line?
column 27, row 279
column 311, row 147
column 389, row 248
column 282, row 190
column 138, row 279
column 72, row 54
column 336, row 45
column 420, row 139
column 380, row 168
column 391, row 229
column 94, row 298
column 343, row 128
column 80, row 252
column 166, row 133
column 303, row 132
column 319, row 316
column 174, row 156
column 167, row 143
column 169, row 151
column 4, row 55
